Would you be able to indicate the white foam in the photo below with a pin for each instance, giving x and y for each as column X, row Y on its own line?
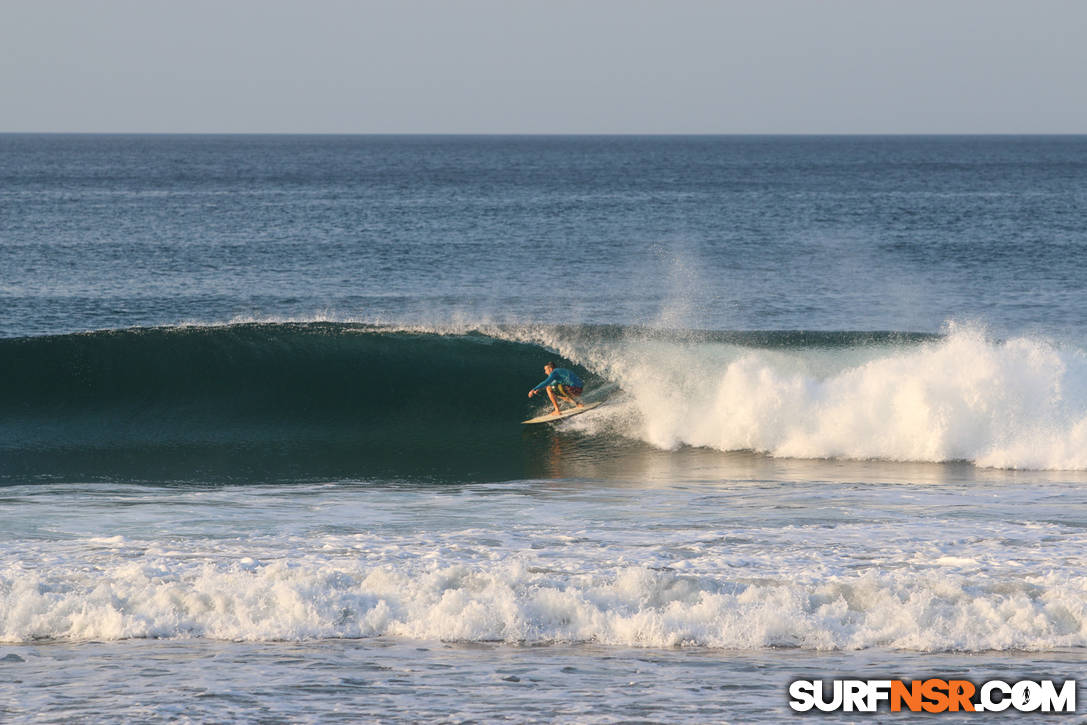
column 512, row 602
column 1020, row 403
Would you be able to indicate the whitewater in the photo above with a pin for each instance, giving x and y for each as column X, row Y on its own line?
column 554, row 572
column 1016, row 403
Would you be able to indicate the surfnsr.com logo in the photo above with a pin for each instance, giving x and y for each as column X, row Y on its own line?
column 932, row 695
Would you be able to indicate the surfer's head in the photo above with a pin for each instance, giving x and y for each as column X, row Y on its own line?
column 548, row 367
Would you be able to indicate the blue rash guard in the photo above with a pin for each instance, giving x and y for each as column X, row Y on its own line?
column 561, row 376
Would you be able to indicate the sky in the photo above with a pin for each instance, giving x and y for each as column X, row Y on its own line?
column 554, row 66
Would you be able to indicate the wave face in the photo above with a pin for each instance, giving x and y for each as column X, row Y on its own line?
column 264, row 400
column 309, row 400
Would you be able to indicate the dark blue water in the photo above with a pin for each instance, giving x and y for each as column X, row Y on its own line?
column 834, row 233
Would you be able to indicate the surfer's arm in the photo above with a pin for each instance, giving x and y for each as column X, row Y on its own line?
column 544, row 384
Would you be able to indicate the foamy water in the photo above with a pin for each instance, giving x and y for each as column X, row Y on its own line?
column 308, row 601
column 1015, row 403
column 741, row 567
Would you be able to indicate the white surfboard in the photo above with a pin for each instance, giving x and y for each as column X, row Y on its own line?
column 551, row 417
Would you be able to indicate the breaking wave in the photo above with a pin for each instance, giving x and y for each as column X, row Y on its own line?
column 289, row 400
column 1016, row 403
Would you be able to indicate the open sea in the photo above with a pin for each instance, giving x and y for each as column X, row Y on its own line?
column 261, row 457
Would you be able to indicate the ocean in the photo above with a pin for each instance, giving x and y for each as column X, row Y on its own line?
column 261, row 456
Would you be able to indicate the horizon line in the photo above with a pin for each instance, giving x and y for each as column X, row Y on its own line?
column 543, row 134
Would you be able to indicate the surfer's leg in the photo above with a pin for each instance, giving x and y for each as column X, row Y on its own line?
column 568, row 395
column 551, row 394
column 569, row 399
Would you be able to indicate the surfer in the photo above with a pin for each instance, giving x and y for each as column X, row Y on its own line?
column 561, row 382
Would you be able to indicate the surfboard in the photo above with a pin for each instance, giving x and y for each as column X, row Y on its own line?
column 551, row 417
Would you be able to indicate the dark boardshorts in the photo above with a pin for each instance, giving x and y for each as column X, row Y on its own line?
column 566, row 389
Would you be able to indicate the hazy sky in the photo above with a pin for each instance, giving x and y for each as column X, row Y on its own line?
column 551, row 66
